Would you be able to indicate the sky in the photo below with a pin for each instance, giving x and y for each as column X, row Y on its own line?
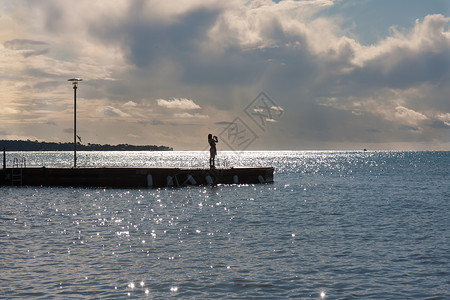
column 261, row 75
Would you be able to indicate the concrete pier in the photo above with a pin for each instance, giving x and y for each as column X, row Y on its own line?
column 115, row 177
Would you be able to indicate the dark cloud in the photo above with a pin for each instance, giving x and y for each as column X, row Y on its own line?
column 438, row 125
column 28, row 47
column 406, row 69
column 20, row 44
column 145, row 40
column 51, row 123
column 409, row 128
column 157, row 122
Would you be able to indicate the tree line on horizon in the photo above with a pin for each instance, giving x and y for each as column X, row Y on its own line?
column 28, row 145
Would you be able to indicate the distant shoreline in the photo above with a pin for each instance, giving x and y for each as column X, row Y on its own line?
column 20, row 145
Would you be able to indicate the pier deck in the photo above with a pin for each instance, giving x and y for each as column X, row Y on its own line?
column 128, row 177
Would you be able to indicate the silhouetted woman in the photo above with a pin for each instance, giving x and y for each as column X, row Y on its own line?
column 212, row 150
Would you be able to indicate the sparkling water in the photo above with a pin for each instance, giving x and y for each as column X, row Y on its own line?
column 333, row 225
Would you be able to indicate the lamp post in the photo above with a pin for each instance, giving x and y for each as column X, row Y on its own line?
column 75, row 86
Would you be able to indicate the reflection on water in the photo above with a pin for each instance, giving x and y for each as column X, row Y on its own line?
column 333, row 225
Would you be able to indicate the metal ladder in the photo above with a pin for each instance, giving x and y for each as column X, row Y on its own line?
column 16, row 175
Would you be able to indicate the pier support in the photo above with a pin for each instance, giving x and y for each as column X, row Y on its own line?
column 116, row 177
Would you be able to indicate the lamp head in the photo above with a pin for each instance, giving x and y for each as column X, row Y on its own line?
column 75, row 81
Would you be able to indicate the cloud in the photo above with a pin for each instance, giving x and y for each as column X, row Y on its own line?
column 186, row 115
column 14, row 137
column 445, row 118
column 408, row 115
column 130, row 104
column 27, row 47
column 157, row 122
column 182, row 104
column 7, row 111
column 400, row 80
column 332, row 87
column 405, row 60
column 110, row 111
column 152, row 30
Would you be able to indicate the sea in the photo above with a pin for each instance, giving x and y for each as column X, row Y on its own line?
column 332, row 225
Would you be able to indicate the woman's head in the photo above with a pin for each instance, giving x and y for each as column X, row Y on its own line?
column 209, row 136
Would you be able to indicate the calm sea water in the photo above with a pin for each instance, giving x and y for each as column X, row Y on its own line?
column 333, row 225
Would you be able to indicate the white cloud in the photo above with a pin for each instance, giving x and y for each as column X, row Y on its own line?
column 130, row 104
column 445, row 118
column 182, row 103
column 409, row 116
column 110, row 111
column 8, row 111
column 266, row 24
column 186, row 115
column 426, row 36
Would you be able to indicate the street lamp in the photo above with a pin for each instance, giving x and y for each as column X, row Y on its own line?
column 75, row 86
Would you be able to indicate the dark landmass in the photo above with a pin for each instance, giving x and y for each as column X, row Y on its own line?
column 51, row 146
